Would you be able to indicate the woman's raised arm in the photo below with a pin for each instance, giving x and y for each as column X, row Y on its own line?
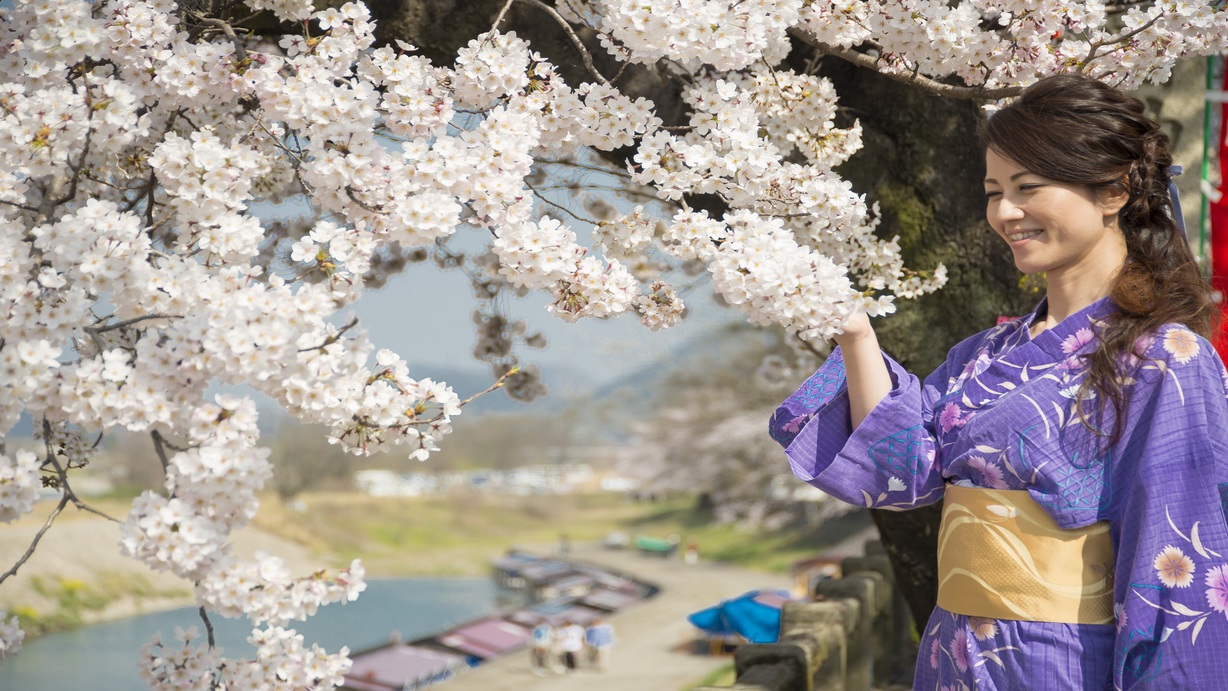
column 869, row 382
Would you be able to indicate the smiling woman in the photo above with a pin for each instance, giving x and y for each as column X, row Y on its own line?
column 1082, row 450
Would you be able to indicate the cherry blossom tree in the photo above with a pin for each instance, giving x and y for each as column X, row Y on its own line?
column 157, row 158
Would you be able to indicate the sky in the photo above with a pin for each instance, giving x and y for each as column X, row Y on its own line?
column 424, row 315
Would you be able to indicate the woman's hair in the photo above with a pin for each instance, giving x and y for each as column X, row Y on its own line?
column 1074, row 129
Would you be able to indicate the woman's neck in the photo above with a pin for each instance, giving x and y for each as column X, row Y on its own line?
column 1065, row 297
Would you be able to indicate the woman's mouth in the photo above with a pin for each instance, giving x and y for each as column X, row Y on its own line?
column 1023, row 235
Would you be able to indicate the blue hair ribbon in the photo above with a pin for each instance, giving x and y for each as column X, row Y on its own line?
column 1173, row 171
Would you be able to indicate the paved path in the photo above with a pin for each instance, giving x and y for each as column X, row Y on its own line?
column 654, row 651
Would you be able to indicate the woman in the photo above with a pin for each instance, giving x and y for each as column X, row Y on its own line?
column 1082, row 450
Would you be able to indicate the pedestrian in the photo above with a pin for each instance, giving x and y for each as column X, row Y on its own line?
column 691, row 555
column 541, row 645
column 1081, row 450
column 598, row 640
column 571, row 639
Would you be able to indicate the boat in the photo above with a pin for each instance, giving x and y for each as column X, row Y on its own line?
column 548, row 589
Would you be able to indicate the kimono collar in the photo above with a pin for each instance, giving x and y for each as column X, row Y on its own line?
column 1073, row 332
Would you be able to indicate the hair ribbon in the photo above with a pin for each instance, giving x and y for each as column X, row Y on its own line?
column 1173, row 171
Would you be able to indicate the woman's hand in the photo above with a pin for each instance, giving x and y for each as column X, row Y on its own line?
column 856, row 328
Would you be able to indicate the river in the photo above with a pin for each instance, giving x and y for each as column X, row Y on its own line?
column 103, row 657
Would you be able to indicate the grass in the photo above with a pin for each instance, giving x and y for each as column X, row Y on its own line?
column 721, row 676
column 458, row 535
column 75, row 600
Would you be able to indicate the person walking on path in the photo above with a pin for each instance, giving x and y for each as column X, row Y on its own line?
column 598, row 640
column 572, row 644
column 541, row 649
column 1081, row 451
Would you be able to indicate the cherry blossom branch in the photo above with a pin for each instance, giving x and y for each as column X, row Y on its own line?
column 350, row 192
column 129, row 322
column 160, row 445
column 204, row 616
column 571, row 33
column 914, row 79
column 37, row 537
column 497, row 385
column 333, row 338
column 66, row 495
column 225, row 28
column 1118, row 41
column 499, row 19
column 558, row 206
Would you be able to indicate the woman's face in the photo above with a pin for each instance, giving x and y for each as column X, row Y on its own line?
column 1061, row 229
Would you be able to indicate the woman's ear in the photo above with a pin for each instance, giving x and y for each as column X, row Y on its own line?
column 1112, row 199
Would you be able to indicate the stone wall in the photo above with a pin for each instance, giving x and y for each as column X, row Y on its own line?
column 850, row 636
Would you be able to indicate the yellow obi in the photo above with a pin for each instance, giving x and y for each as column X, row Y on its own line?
column 1001, row 556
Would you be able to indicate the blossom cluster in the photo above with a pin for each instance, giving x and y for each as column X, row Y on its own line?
column 1013, row 42
column 185, row 664
column 140, row 266
column 11, row 635
column 19, row 484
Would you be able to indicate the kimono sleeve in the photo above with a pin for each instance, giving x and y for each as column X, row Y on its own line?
column 888, row 462
column 1170, row 493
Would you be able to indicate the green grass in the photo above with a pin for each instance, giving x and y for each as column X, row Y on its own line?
column 458, row 535
column 721, row 676
column 75, row 600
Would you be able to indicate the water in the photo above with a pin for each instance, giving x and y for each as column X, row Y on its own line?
column 103, row 657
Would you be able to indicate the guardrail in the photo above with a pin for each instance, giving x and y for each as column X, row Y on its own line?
column 853, row 633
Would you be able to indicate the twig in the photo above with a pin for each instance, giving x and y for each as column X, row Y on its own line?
column 204, row 616
column 1091, row 53
column 129, row 322
column 499, row 19
column 225, row 28
column 332, row 338
column 571, row 33
column 810, row 347
column 66, row 495
column 349, row 192
column 560, row 207
column 160, row 445
column 925, row 83
column 38, row 536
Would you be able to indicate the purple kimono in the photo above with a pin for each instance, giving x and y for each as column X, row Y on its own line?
column 1000, row 413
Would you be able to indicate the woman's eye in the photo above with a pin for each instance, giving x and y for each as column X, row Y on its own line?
column 1031, row 186
column 990, row 194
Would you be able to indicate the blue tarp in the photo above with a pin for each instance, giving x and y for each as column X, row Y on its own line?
column 754, row 615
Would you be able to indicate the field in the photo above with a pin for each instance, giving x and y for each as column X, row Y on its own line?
column 459, row 535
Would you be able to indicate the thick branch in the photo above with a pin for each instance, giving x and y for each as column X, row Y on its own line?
column 129, row 322
column 225, row 28
column 571, row 33
column 922, row 82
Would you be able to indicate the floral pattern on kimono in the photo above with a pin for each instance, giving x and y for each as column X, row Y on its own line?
column 1004, row 412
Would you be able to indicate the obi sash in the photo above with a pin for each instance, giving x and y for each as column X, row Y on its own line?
column 1001, row 556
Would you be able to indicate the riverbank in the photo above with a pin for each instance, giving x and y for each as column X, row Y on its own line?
column 77, row 575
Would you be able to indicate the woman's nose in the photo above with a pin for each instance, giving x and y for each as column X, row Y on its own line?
column 1008, row 211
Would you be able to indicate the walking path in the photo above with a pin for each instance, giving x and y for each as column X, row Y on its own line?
column 654, row 650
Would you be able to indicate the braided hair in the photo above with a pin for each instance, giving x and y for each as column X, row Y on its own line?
column 1074, row 129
